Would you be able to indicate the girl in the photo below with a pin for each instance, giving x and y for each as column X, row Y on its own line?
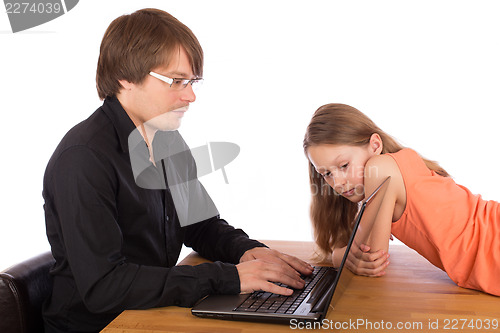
column 423, row 207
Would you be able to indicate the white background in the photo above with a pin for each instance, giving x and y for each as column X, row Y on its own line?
column 427, row 72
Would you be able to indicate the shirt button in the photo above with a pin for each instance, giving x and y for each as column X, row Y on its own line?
column 167, row 218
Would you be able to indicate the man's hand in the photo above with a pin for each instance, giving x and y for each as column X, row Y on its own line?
column 361, row 261
column 261, row 266
column 277, row 257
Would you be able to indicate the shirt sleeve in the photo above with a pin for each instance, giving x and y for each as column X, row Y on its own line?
column 82, row 200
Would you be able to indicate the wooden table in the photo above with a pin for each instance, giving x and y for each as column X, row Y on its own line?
column 414, row 296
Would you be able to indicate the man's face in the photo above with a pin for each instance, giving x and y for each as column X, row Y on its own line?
column 154, row 103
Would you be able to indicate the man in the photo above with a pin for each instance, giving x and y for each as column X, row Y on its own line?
column 116, row 243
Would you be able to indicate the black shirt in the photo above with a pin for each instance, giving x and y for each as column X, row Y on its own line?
column 115, row 243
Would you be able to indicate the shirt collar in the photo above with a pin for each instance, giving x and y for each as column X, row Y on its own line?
column 120, row 119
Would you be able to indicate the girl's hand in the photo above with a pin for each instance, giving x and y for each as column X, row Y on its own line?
column 361, row 261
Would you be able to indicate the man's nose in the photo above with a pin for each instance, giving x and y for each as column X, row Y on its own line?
column 187, row 94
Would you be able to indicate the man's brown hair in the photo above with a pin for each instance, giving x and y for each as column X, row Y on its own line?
column 135, row 44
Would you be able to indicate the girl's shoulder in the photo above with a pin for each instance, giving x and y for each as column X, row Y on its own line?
column 381, row 166
column 390, row 164
column 377, row 169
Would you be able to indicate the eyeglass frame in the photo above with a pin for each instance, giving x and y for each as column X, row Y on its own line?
column 171, row 81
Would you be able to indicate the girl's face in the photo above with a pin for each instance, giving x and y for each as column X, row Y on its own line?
column 343, row 166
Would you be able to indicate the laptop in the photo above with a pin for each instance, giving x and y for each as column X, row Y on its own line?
column 309, row 304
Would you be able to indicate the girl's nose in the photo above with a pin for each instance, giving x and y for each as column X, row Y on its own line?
column 339, row 183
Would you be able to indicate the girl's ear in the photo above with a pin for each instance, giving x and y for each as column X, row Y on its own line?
column 376, row 144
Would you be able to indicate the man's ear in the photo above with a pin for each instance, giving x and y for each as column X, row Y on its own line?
column 376, row 144
column 126, row 85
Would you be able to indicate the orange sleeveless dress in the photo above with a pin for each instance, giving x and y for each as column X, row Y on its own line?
column 454, row 229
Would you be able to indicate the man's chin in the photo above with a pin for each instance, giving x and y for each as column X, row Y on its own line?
column 170, row 128
column 171, row 125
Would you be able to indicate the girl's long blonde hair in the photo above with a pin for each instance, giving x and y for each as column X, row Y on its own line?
column 331, row 214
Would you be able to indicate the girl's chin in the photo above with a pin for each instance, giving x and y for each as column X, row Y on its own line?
column 355, row 198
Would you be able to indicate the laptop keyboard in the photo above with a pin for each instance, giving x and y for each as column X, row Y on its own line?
column 266, row 302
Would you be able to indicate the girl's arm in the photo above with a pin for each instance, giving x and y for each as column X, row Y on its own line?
column 378, row 224
column 369, row 253
column 337, row 255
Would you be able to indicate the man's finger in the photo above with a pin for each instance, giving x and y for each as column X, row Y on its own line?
column 297, row 264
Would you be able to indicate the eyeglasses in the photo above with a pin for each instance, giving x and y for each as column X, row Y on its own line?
column 177, row 83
